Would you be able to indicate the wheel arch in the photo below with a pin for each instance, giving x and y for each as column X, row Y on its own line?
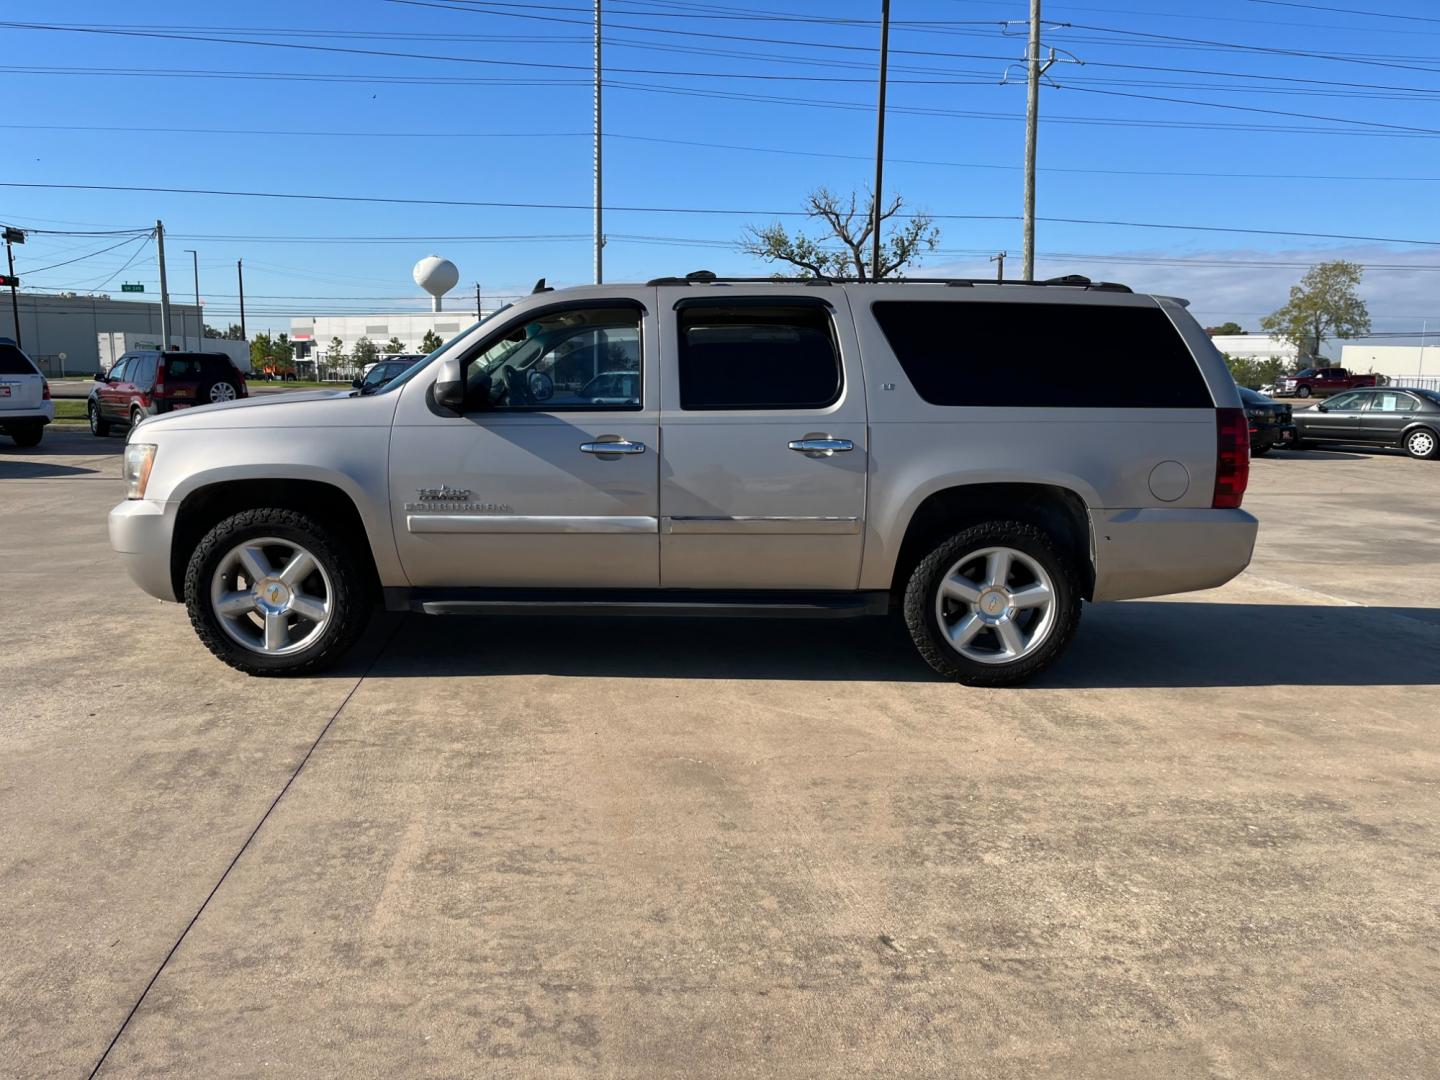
column 207, row 505
column 1059, row 510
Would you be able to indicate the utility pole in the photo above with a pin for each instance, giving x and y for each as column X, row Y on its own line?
column 1032, row 122
column 164, row 291
column 1000, row 270
column 879, row 142
column 199, row 319
column 477, row 301
column 14, row 236
column 240, row 274
column 599, row 226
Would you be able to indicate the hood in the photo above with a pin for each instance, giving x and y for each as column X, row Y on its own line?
column 310, row 408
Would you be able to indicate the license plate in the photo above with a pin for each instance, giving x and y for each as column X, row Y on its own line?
column 1287, row 436
column 5, row 390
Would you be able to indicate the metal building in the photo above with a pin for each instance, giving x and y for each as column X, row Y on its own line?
column 52, row 324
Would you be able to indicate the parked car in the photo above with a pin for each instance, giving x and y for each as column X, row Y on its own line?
column 1270, row 422
column 613, row 388
column 382, row 371
column 795, row 448
column 25, row 404
column 150, row 383
column 1380, row 416
column 1320, row 382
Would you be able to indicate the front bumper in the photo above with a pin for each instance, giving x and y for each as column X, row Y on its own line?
column 1156, row 552
column 140, row 532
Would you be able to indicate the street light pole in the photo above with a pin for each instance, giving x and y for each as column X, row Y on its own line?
column 240, row 274
column 879, row 142
column 18, row 237
column 199, row 321
column 164, row 288
column 1032, row 122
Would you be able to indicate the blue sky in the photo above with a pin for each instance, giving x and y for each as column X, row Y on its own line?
column 515, row 129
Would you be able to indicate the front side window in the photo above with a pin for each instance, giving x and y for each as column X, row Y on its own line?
column 121, row 368
column 1348, row 402
column 757, row 356
column 560, row 361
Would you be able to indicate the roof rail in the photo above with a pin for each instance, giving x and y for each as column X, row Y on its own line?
column 1069, row 281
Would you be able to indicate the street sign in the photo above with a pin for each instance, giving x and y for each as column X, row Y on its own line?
column 128, row 287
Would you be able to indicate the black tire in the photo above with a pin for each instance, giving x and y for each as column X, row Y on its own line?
column 27, row 435
column 921, row 593
column 137, row 414
column 1303, row 392
column 1423, row 444
column 1260, row 451
column 350, row 592
column 99, row 426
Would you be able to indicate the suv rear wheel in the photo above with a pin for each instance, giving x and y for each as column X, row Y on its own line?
column 221, row 391
column 27, row 434
column 274, row 592
column 993, row 605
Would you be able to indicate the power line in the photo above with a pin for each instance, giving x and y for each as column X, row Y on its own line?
column 725, row 211
column 1348, row 11
column 82, row 258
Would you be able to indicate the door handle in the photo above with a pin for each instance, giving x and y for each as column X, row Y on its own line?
column 821, row 447
column 618, row 446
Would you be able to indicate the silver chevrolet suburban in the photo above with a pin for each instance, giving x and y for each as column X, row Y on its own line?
column 980, row 457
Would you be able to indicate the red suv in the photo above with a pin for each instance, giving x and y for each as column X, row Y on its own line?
column 142, row 384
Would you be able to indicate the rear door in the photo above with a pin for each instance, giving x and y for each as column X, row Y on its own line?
column 764, row 440
column 22, row 387
column 1389, row 412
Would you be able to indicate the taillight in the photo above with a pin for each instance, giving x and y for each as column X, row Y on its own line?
column 159, row 388
column 1232, row 458
column 44, row 389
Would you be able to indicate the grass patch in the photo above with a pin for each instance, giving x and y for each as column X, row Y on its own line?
column 70, row 409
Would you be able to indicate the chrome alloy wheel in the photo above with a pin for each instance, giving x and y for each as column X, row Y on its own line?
column 271, row 596
column 996, row 605
column 222, row 391
column 1420, row 444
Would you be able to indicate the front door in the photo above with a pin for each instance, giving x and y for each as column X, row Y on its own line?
column 538, row 484
column 111, row 394
column 1338, row 419
column 763, row 425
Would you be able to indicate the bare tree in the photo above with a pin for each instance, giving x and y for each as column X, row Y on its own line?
column 851, row 225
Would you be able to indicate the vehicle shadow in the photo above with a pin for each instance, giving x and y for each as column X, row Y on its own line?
column 39, row 470
column 1136, row 644
column 1287, row 454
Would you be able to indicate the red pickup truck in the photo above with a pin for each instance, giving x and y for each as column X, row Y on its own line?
column 1319, row 382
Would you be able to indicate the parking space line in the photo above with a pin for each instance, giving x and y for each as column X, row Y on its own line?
column 245, row 846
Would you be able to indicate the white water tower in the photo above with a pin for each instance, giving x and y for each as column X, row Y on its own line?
column 436, row 276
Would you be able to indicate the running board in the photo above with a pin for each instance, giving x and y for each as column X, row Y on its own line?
column 689, row 603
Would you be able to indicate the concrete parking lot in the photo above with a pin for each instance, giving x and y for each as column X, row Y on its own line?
column 1205, row 845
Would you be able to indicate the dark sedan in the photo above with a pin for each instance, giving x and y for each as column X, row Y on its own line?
column 1270, row 424
column 1376, row 416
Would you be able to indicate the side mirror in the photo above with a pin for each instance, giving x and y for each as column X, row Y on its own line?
column 357, row 383
column 450, row 386
column 100, row 376
column 1322, row 407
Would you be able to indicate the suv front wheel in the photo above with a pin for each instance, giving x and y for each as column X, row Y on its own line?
column 993, row 605
column 273, row 592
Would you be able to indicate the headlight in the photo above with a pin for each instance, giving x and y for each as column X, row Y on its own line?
column 139, row 457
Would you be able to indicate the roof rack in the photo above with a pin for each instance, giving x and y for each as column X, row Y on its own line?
column 1069, row 281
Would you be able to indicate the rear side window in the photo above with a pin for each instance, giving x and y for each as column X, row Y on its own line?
column 179, row 368
column 215, row 367
column 1043, row 355
column 763, row 356
column 142, row 371
column 15, row 362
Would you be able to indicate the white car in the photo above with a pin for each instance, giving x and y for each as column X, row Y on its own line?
column 25, row 405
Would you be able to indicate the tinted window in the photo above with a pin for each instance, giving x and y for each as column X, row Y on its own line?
column 179, row 368
column 142, row 371
column 14, row 362
column 770, row 356
column 215, row 367
column 1043, row 355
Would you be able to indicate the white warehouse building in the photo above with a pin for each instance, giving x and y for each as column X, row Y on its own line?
column 312, row 334
column 1255, row 347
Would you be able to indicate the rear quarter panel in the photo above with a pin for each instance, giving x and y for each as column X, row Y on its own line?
column 1105, row 456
